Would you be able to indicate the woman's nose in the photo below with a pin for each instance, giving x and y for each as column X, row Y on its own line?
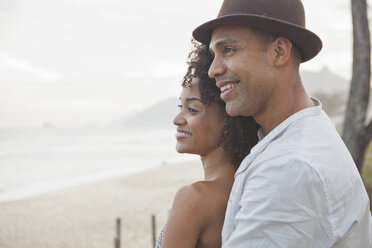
column 178, row 119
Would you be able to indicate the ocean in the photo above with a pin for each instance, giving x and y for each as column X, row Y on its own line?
column 41, row 160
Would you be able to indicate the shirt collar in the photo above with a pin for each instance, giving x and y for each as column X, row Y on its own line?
column 315, row 110
column 264, row 140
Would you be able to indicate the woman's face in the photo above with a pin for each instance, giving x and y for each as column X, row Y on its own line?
column 199, row 126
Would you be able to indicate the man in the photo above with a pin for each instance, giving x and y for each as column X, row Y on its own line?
column 299, row 186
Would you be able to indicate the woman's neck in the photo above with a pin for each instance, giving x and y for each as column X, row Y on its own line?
column 216, row 164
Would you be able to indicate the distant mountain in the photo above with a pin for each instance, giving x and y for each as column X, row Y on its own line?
column 159, row 116
column 324, row 82
column 329, row 88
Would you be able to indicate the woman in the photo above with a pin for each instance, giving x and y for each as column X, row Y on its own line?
column 204, row 128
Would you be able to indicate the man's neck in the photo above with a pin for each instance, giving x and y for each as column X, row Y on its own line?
column 284, row 104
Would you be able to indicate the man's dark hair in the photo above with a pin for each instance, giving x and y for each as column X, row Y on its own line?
column 240, row 133
column 265, row 38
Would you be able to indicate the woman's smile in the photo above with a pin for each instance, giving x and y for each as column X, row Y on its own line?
column 181, row 134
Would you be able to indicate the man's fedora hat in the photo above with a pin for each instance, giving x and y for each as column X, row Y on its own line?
column 281, row 17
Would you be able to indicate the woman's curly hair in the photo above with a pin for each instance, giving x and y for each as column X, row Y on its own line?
column 240, row 133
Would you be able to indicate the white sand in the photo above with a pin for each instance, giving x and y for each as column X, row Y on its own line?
column 84, row 216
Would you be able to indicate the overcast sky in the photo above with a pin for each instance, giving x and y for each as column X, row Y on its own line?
column 82, row 62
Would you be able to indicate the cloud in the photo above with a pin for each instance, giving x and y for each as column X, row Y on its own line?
column 19, row 69
column 121, row 53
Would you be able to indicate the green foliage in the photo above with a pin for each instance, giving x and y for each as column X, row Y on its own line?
column 367, row 171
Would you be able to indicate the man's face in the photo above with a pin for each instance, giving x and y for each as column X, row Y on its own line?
column 243, row 70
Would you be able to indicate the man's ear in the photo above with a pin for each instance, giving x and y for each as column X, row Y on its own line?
column 281, row 50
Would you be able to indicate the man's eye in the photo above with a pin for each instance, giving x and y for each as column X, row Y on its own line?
column 229, row 49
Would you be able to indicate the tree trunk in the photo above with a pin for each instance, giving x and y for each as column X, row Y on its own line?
column 356, row 134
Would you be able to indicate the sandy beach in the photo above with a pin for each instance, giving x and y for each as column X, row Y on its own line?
column 84, row 216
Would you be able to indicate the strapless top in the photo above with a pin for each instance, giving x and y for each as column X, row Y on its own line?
column 160, row 238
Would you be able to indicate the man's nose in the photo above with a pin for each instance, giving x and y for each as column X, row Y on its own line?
column 217, row 67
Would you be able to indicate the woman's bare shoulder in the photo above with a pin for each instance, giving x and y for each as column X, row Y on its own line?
column 187, row 218
column 198, row 196
column 194, row 208
column 192, row 195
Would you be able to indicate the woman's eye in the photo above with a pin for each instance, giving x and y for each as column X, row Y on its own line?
column 179, row 106
column 191, row 110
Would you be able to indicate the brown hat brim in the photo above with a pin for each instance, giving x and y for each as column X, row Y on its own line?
column 309, row 43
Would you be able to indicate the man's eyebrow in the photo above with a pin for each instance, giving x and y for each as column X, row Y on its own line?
column 222, row 42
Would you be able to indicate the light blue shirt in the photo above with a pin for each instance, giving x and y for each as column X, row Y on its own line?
column 299, row 187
